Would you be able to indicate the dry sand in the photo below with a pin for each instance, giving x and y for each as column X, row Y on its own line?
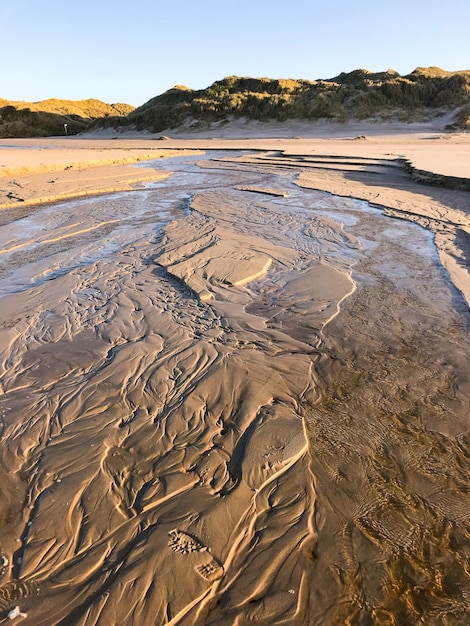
column 229, row 397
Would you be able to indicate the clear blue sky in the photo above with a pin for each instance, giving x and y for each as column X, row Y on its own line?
column 120, row 51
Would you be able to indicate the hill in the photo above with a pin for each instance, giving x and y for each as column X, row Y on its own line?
column 360, row 94
column 48, row 117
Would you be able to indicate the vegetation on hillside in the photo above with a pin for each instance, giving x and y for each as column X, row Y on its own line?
column 355, row 95
column 49, row 117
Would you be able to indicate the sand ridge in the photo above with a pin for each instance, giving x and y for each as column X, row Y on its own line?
column 31, row 177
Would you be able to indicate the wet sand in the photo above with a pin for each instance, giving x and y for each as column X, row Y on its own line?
column 235, row 397
column 34, row 172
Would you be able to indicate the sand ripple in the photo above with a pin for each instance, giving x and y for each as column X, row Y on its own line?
column 256, row 413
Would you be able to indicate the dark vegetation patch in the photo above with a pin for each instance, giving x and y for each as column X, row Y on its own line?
column 54, row 117
column 425, row 93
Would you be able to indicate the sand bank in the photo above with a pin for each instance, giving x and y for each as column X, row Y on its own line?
column 49, row 172
column 230, row 398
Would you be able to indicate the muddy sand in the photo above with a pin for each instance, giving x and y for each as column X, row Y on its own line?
column 235, row 390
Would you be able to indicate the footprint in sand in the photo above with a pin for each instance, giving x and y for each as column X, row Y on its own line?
column 13, row 591
column 205, row 564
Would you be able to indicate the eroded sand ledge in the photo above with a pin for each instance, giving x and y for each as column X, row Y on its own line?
column 267, row 400
column 34, row 176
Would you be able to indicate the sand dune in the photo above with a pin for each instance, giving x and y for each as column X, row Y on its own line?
column 231, row 397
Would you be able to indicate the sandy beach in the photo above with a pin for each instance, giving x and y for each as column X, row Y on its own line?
column 235, row 377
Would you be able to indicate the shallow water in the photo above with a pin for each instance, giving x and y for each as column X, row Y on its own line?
column 292, row 448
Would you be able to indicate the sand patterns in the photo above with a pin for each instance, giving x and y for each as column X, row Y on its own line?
column 144, row 424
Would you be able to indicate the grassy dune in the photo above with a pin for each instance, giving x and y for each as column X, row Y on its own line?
column 47, row 117
column 361, row 94
column 355, row 95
